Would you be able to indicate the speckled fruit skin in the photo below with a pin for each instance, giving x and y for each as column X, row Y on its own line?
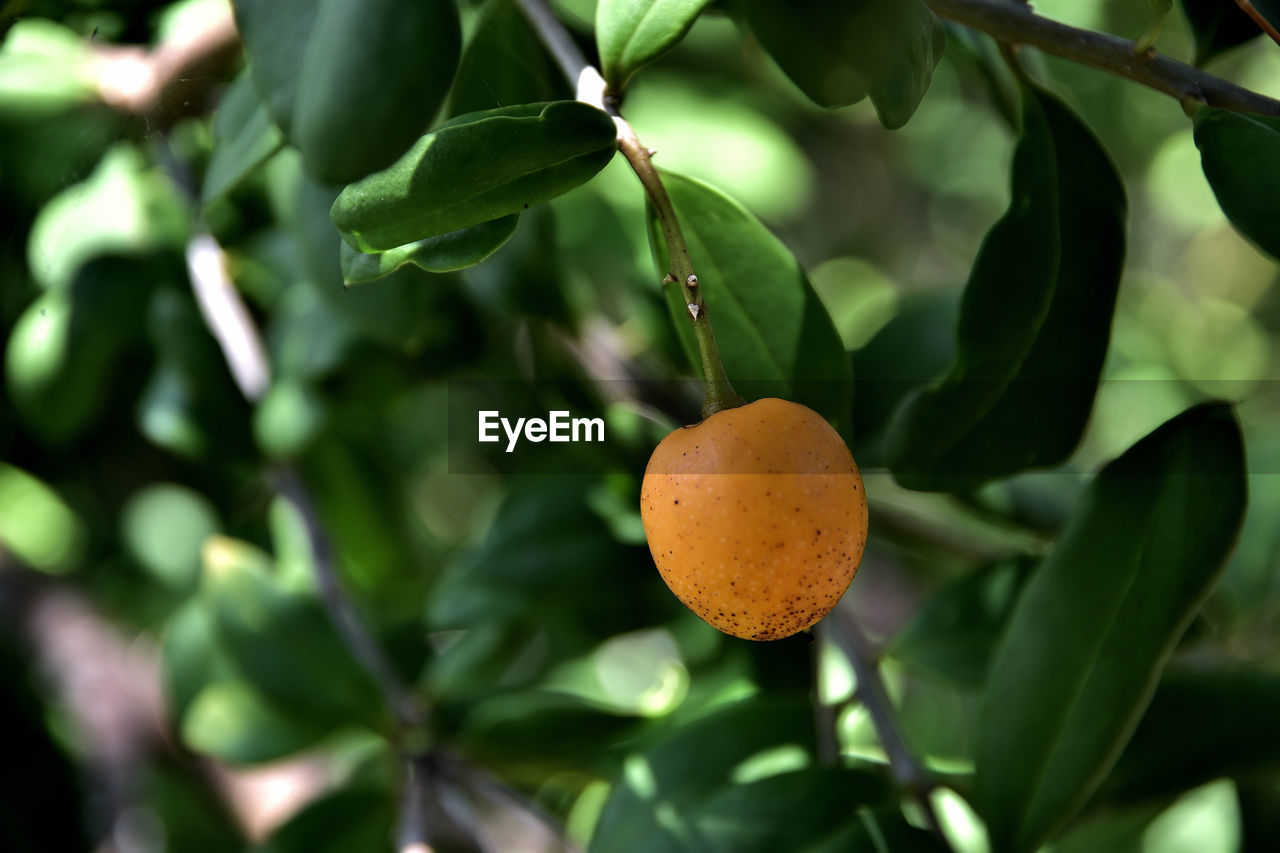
column 756, row 518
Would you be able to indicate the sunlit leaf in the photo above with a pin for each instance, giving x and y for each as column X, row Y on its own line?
column 1035, row 320
column 447, row 252
column 1097, row 620
column 475, row 168
column 230, row 721
column 775, row 337
column 36, row 525
column 632, row 34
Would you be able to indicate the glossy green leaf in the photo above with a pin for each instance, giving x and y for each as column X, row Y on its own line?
column 244, row 138
column 1238, row 153
column 1202, row 724
column 477, row 167
column 1217, row 27
column 1098, row 619
column 232, row 722
column 505, row 63
column 955, row 632
column 632, row 33
column 1035, row 320
column 839, row 53
column 775, row 337
column 448, row 252
column 743, row 779
column 352, row 84
column 339, row 822
column 282, row 642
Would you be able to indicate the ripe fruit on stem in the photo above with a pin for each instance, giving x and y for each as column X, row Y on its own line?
column 756, row 517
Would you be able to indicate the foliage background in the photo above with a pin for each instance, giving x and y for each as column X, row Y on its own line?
column 165, row 690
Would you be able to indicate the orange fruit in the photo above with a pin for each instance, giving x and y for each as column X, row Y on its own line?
column 756, row 517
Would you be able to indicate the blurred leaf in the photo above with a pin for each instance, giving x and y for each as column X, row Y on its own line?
column 36, row 525
column 282, row 642
column 544, row 727
column 340, row 822
column 447, row 252
column 192, row 812
column 504, row 63
column 164, row 526
column 352, row 84
column 740, row 779
column 1217, row 27
column 45, row 69
column 1035, row 320
column 190, row 657
column 774, row 335
column 244, row 138
column 1096, row 622
column 474, row 168
column 230, row 721
column 1237, row 152
column 123, row 208
column 839, row 53
column 288, row 419
column 632, row 34
column 955, row 632
column 1202, row 724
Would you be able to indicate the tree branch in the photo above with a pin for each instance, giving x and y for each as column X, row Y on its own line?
column 1258, row 18
column 591, row 88
column 908, row 771
column 1015, row 23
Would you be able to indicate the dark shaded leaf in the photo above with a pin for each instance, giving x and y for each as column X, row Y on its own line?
column 775, row 337
column 839, row 53
column 631, row 34
column 475, row 168
column 956, row 631
column 244, row 138
column 341, row 822
column 442, row 253
column 1035, row 320
column 1201, row 725
column 505, row 63
column 1096, row 622
column 1238, row 153
column 232, row 722
column 352, row 84
column 1217, row 26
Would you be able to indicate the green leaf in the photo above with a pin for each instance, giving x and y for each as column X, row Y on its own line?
column 232, row 722
column 36, row 525
column 505, row 63
column 244, row 138
column 839, row 53
column 340, row 822
column 282, row 642
column 352, row 84
column 632, row 33
column 742, row 779
column 956, row 631
column 475, row 168
column 447, row 252
column 775, row 337
column 1238, row 153
column 1202, row 724
column 45, row 69
column 1034, row 322
column 164, row 526
column 191, row 658
column 1217, row 27
column 1099, row 618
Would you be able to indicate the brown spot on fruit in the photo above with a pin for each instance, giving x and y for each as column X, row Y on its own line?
column 743, row 469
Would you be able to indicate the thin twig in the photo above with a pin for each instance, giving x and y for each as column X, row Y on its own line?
column 1015, row 23
column 1259, row 19
column 908, row 771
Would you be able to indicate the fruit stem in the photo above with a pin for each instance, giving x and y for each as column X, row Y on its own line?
column 591, row 89
column 720, row 393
